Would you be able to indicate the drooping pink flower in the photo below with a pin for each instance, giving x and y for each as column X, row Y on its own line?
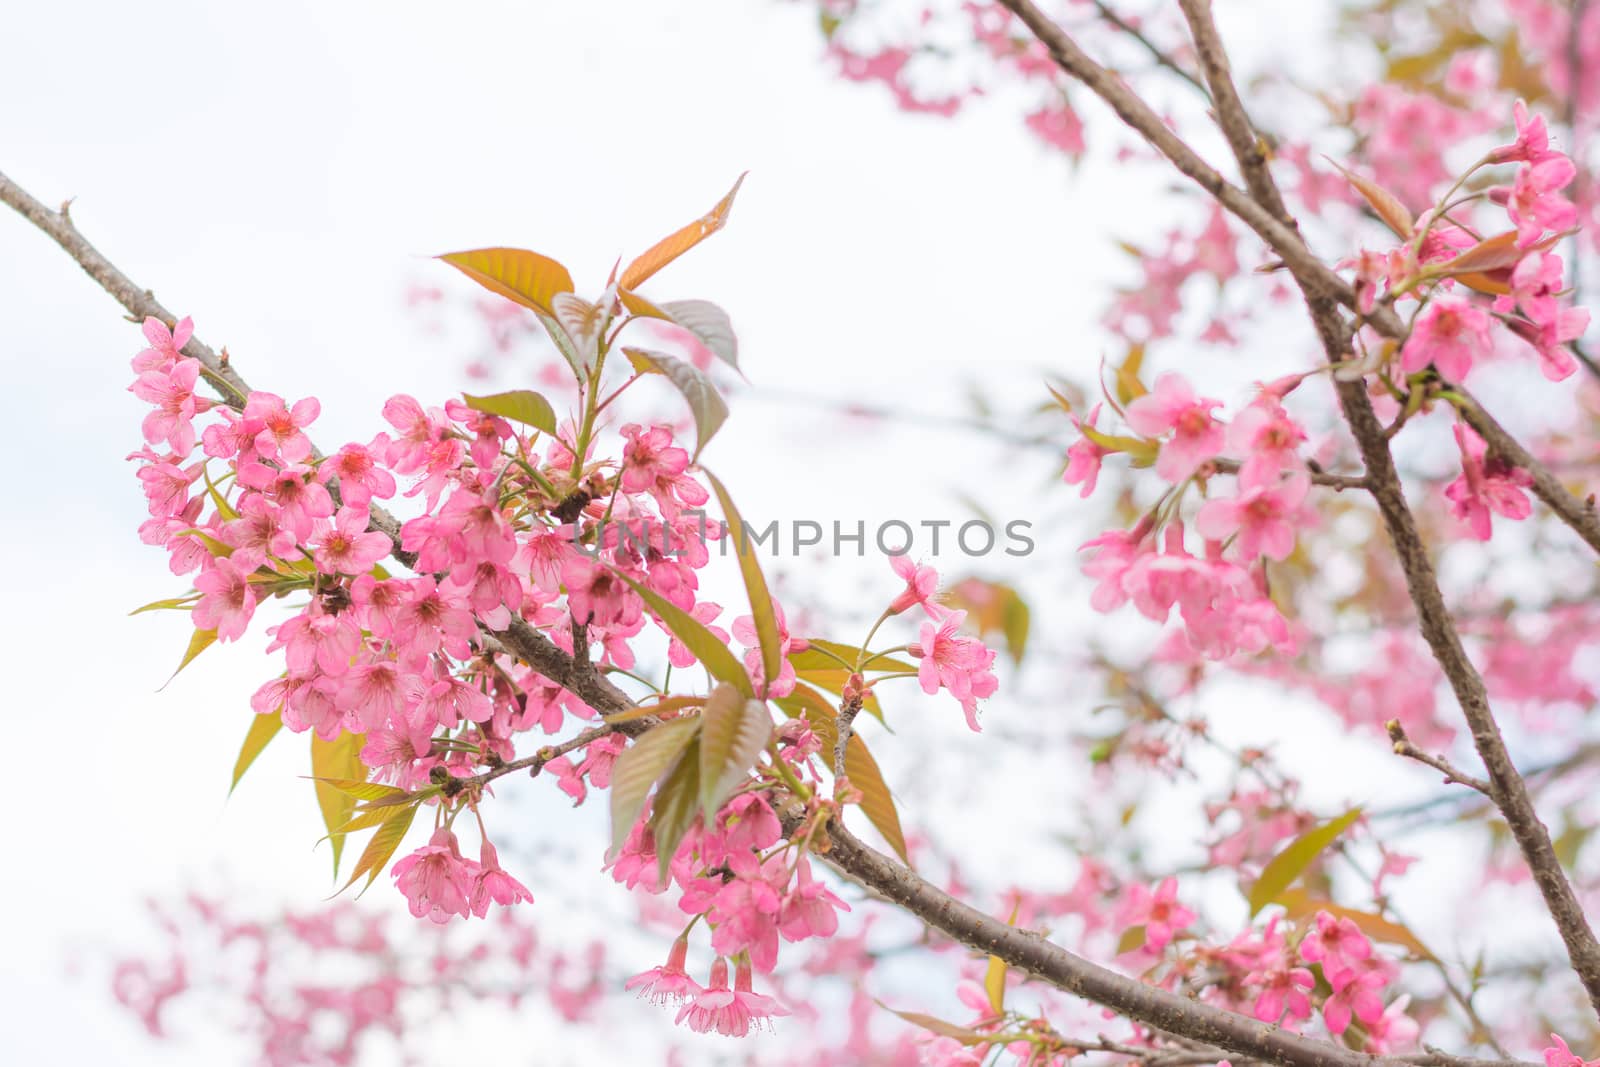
column 670, row 981
column 1449, row 333
column 597, row 595
column 809, row 908
column 1173, row 406
column 717, row 1009
column 493, row 885
column 1264, row 518
column 436, row 881
column 1486, row 487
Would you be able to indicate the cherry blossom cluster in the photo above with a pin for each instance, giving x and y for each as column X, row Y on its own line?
column 561, row 540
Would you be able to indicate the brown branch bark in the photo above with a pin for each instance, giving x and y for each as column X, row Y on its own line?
column 1505, row 786
column 1022, row 949
column 1315, row 278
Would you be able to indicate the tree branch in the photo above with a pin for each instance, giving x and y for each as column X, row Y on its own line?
column 1022, row 949
column 1505, row 786
column 1314, row 277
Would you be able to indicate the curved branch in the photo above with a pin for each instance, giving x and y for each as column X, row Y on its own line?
column 1505, row 785
column 1266, row 217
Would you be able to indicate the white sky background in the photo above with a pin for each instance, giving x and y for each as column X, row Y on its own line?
column 281, row 177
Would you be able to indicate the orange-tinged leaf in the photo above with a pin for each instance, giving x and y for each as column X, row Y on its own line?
column 1282, row 870
column 1301, row 905
column 859, row 766
column 834, row 679
column 733, row 732
column 1384, row 203
column 519, row 405
column 762, row 611
column 524, row 277
column 263, row 728
column 337, row 759
column 1129, row 387
column 638, row 305
column 938, row 1026
column 677, row 243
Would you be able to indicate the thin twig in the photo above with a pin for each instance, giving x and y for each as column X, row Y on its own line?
column 1403, row 746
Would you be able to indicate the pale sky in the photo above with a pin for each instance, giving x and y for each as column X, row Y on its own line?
column 281, row 174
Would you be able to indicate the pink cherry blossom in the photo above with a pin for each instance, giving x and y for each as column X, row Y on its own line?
column 282, row 436
column 1486, row 487
column 1173, row 406
column 1535, row 203
column 166, row 346
column 956, row 663
column 436, row 881
column 493, row 885
column 670, row 981
column 716, row 1009
column 1264, row 518
column 360, row 473
column 922, row 584
column 1159, row 912
column 348, row 547
column 1559, row 1055
column 171, row 391
column 227, row 601
column 1449, row 333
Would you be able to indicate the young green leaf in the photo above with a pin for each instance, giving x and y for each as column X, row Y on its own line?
column 710, row 324
column 715, row 656
column 177, row 603
column 1289, row 864
column 382, row 846
column 339, row 759
column 199, row 641
column 755, row 584
column 564, row 345
column 705, row 403
column 583, row 323
column 1132, row 938
column 519, row 405
column 263, row 728
column 676, row 805
column 680, row 241
column 640, row 767
column 734, row 731
column 362, row 789
column 524, row 277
